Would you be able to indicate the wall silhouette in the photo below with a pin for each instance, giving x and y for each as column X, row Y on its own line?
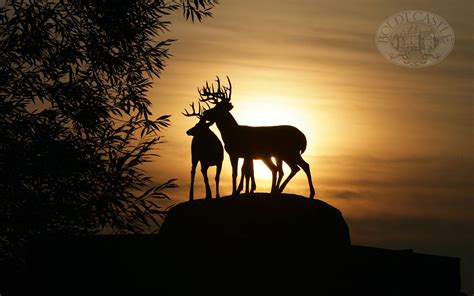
column 261, row 244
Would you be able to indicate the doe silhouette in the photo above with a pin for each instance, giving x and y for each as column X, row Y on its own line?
column 284, row 143
column 205, row 148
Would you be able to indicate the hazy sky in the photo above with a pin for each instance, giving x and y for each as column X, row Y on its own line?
column 391, row 147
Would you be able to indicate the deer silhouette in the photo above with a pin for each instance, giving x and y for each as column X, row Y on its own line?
column 284, row 143
column 205, row 148
column 248, row 174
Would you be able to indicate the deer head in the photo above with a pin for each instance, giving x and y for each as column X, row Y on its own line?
column 202, row 125
column 219, row 97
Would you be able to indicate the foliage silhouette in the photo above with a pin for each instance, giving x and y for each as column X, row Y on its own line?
column 75, row 121
column 283, row 142
column 207, row 149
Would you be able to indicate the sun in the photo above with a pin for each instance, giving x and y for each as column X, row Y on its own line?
column 268, row 111
column 261, row 171
column 271, row 110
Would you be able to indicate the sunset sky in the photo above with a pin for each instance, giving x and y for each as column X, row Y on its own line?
column 391, row 147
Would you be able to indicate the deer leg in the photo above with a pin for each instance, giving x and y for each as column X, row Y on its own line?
column 191, row 189
column 305, row 166
column 242, row 175
column 234, row 161
column 252, row 176
column 246, row 173
column 294, row 169
column 241, row 184
column 206, row 181
column 279, row 164
column 218, row 174
column 247, row 176
column 269, row 163
column 247, row 184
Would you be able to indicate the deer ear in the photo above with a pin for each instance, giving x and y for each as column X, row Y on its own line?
column 230, row 106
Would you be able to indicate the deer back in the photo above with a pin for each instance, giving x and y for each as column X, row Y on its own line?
column 265, row 141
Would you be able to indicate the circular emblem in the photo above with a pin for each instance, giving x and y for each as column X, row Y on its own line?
column 414, row 38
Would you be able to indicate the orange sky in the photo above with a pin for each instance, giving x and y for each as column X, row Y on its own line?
column 389, row 146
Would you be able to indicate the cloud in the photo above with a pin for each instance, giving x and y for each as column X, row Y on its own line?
column 406, row 171
column 344, row 194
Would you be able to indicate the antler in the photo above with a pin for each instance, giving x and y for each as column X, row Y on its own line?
column 198, row 114
column 222, row 94
column 228, row 90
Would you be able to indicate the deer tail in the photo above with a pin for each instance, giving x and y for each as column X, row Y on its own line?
column 302, row 144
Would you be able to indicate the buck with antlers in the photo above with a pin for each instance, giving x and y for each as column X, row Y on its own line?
column 205, row 148
column 284, row 143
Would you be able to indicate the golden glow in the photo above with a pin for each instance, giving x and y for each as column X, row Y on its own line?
column 261, row 171
column 378, row 135
column 272, row 110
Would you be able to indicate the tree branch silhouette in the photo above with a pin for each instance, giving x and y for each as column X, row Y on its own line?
column 75, row 120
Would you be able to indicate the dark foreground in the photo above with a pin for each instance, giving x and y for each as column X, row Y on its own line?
column 244, row 245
